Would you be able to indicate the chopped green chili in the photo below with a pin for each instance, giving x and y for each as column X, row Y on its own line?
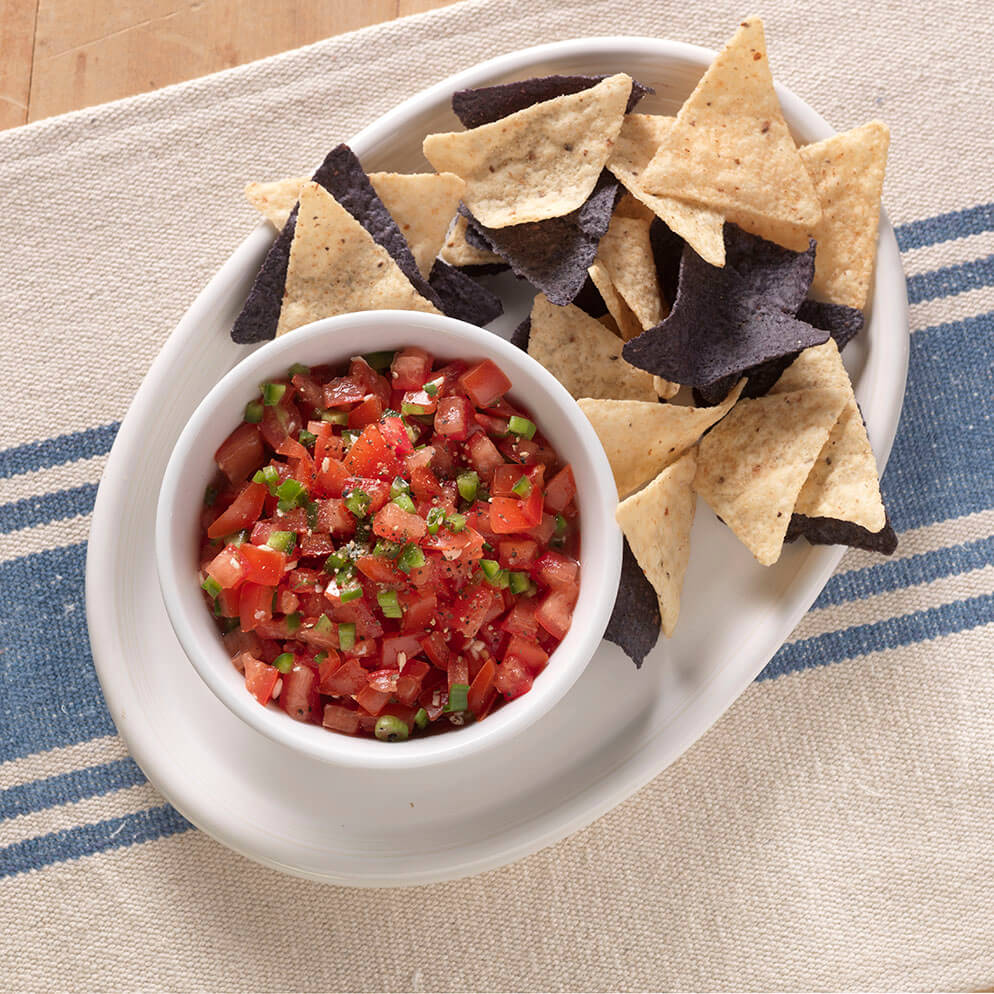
column 404, row 502
column 346, row 635
column 467, row 484
column 306, row 437
column 518, row 582
column 435, row 518
column 212, row 587
column 458, row 697
column 298, row 367
column 398, row 487
column 272, row 393
column 358, row 502
column 379, row 360
column 284, row 662
column 411, row 558
column 282, row 541
column 518, row 425
column 253, row 412
column 455, row 522
column 389, row 604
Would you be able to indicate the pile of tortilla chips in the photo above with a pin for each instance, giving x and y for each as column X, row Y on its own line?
column 696, row 278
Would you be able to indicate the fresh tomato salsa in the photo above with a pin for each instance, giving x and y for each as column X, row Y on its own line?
column 390, row 549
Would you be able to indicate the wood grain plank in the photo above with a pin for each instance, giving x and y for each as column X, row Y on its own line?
column 17, row 28
column 106, row 49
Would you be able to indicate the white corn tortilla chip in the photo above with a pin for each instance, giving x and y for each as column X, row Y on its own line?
column 752, row 464
column 730, row 148
column 627, row 323
column 275, row 200
column 628, row 206
column 456, row 251
column 665, row 388
column 848, row 174
column 539, row 162
column 843, row 482
column 336, row 268
column 583, row 355
column 422, row 204
column 700, row 227
column 657, row 521
column 626, row 254
column 641, row 439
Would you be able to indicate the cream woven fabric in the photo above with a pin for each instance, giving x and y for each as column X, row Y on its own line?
column 834, row 830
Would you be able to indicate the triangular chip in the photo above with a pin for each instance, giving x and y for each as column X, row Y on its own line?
column 626, row 252
column 640, row 438
column 752, row 464
column 656, row 521
column 634, row 148
column 628, row 206
column 422, row 204
column 538, row 163
column 459, row 252
column 336, row 267
column 624, row 317
column 665, row 388
column 848, row 174
column 843, row 482
column 583, row 355
column 275, row 200
column 730, row 148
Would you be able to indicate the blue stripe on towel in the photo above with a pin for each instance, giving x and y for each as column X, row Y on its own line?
column 85, row 840
column 945, row 227
column 67, row 788
column 53, row 451
column 951, row 280
column 43, row 508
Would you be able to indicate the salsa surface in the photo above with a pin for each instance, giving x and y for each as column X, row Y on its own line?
column 390, row 549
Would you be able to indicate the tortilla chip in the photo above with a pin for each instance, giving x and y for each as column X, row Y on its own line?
column 625, row 320
column 422, row 204
column 656, row 521
column 554, row 255
column 634, row 148
column 275, row 200
column 626, row 253
column 486, row 104
column 459, row 252
column 725, row 321
column 753, row 464
column 628, row 206
column 521, row 335
column 830, row 531
column 730, row 148
column 843, row 483
column 641, row 439
column 539, row 163
column 635, row 620
column 462, row 297
column 841, row 322
column 582, row 354
column 665, row 388
column 337, row 268
column 848, row 174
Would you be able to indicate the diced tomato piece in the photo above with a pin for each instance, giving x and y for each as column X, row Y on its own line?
column 393, row 645
column 419, row 609
column 508, row 515
column 517, row 553
column 378, row 491
column 237, row 642
column 303, row 580
column 481, row 690
column 394, row 523
column 260, row 678
column 483, row 455
column 340, row 718
column 370, row 381
column 395, row 435
column 372, row 700
column 343, row 390
column 228, row 602
column 242, row 512
column 317, row 545
column 513, row 678
column 485, row 383
column 543, row 532
column 255, row 606
column 370, row 456
column 410, row 369
column 326, row 443
column 330, row 476
column 366, row 413
column 334, row 517
column 380, row 570
column 529, row 652
column 241, row 453
column 287, row 602
column 493, row 426
column 521, row 619
column 309, row 390
column 437, row 650
column 366, row 623
column 326, row 668
column 262, row 564
column 424, row 483
column 453, row 545
column 299, row 696
column 384, row 679
column 426, row 576
column 347, row 679
column 560, row 490
column 280, row 421
column 410, row 680
column 453, row 417
column 227, row 567
column 302, row 464
column 555, row 613
column 468, row 612
column 421, row 399
column 556, row 571
column 404, row 712
column 458, row 671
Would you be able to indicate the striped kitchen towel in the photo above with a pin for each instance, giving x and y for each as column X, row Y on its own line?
column 834, row 830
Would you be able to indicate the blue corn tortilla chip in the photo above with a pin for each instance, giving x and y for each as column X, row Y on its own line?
column 522, row 334
column 342, row 175
column 462, row 297
column 832, row 531
column 554, row 255
column 760, row 379
column 487, row 104
column 667, row 250
column 841, row 322
column 726, row 321
column 635, row 622
column 260, row 314
column 589, row 299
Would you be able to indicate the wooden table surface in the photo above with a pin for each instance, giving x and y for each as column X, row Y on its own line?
column 60, row 55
